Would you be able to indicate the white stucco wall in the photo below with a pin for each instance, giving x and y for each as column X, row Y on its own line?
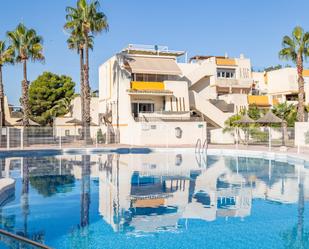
column 302, row 134
column 259, row 79
column 282, row 81
column 163, row 133
column 180, row 91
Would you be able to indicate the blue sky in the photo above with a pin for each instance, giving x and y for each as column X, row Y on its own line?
column 254, row 28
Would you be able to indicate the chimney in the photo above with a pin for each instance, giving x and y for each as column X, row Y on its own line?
column 241, row 56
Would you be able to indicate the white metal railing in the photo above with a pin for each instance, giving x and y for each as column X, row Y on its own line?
column 42, row 137
column 151, row 48
column 160, row 134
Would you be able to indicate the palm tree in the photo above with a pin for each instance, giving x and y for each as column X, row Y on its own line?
column 62, row 106
column 27, row 46
column 6, row 57
column 296, row 48
column 286, row 112
column 87, row 20
column 77, row 42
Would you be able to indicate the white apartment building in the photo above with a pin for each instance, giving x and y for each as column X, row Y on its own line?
column 281, row 85
column 148, row 96
column 145, row 99
column 218, row 85
column 70, row 125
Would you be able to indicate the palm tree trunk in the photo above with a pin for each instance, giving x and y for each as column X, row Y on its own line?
column 2, row 115
column 301, row 90
column 284, row 127
column 25, row 97
column 81, row 60
column 87, row 97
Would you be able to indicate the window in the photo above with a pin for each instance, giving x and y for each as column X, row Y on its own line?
column 146, row 107
column 67, row 132
column 139, row 77
column 225, row 73
column 150, row 77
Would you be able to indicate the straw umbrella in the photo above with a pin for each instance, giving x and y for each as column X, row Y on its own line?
column 19, row 122
column 78, row 122
column 269, row 119
column 246, row 121
column 75, row 122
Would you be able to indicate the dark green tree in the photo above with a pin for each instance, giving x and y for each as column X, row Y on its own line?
column 47, row 95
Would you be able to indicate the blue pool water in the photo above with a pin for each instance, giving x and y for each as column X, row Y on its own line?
column 155, row 200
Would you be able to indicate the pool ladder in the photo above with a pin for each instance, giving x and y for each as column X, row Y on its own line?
column 199, row 148
column 201, row 152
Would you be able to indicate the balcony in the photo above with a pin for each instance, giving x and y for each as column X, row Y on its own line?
column 159, row 116
column 148, row 88
column 230, row 85
column 230, row 82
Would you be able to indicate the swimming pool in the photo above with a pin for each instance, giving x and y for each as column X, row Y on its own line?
column 156, row 200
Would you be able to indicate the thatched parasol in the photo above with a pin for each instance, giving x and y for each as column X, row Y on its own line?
column 245, row 119
column 270, row 118
column 76, row 121
column 19, row 122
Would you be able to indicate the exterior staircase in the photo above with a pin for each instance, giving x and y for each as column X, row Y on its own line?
column 213, row 114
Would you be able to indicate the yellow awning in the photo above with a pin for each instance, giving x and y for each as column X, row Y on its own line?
column 275, row 101
column 225, row 62
column 306, row 73
column 154, row 65
column 262, row 101
column 147, row 85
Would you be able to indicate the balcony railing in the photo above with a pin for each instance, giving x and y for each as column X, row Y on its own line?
column 165, row 116
column 227, row 82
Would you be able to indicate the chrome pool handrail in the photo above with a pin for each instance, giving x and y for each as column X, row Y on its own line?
column 198, row 146
column 205, row 146
column 23, row 239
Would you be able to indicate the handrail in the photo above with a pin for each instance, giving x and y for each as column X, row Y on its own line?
column 198, row 146
column 23, row 239
column 205, row 146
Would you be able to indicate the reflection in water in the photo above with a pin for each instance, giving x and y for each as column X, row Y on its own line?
column 150, row 193
column 24, row 193
column 85, row 191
